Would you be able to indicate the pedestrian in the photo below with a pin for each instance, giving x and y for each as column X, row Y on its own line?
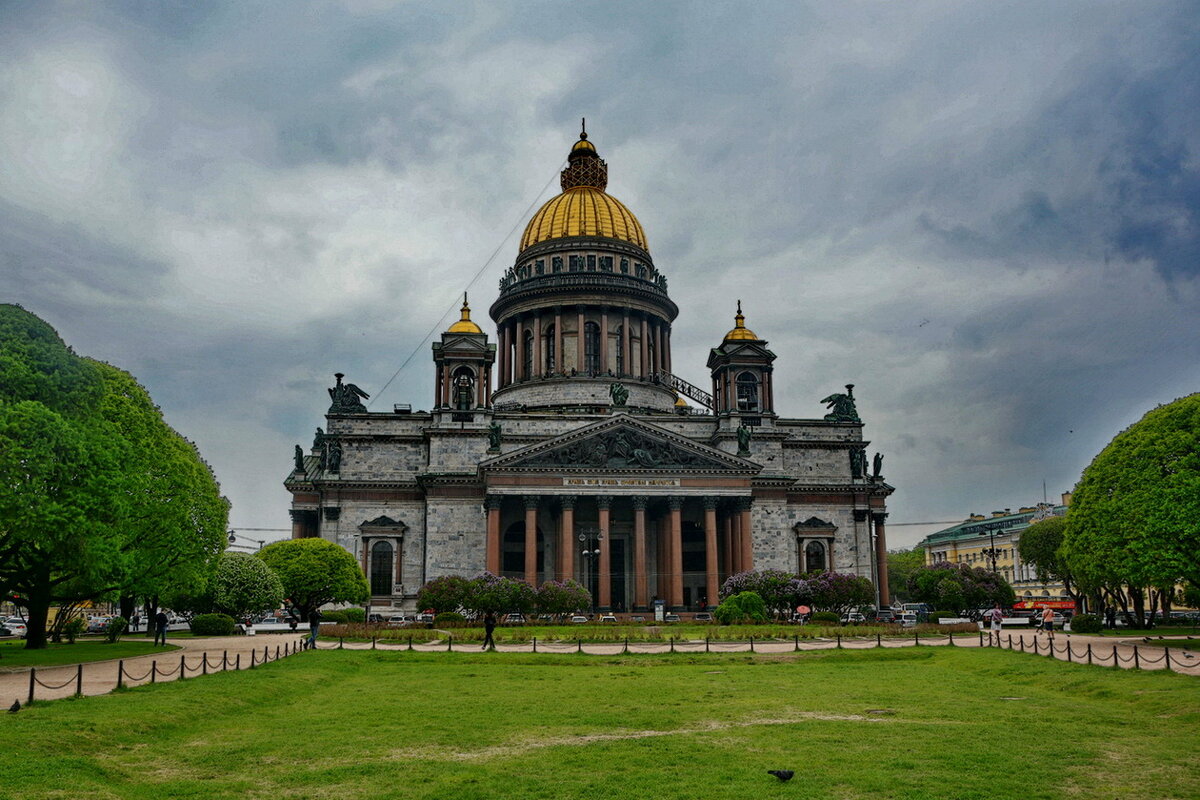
column 134, row 622
column 314, row 625
column 160, row 628
column 996, row 617
column 489, row 627
column 1110, row 617
column 1048, row 622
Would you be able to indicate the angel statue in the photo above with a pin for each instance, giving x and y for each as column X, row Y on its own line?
column 346, row 398
column 620, row 395
column 841, row 406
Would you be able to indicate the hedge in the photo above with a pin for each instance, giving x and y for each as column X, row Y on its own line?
column 212, row 625
column 1085, row 623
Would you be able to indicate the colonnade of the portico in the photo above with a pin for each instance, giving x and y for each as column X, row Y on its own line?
column 651, row 527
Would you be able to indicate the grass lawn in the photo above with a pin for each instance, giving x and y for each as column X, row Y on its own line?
column 911, row 723
column 14, row 655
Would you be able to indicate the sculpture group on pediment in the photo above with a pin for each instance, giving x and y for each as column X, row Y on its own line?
column 621, row 449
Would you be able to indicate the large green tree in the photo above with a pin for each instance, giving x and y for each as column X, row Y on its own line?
column 1041, row 545
column 1133, row 530
column 901, row 564
column 315, row 572
column 98, row 494
column 958, row 587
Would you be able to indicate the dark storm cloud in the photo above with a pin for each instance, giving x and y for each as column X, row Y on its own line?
column 983, row 215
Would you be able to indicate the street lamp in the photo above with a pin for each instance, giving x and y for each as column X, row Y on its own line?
column 590, row 538
column 991, row 552
column 234, row 536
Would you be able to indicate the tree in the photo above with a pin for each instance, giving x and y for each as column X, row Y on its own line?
column 1134, row 524
column 839, row 592
column 315, row 572
column 562, row 597
column 780, row 591
column 488, row 593
column 1041, row 545
column 958, row 587
column 98, row 492
column 443, row 594
column 244, row 585
column 901, row 564
column 743, row 607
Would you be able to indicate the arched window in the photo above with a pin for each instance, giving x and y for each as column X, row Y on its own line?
column 527, row 356
column 814, row 557
column 591, row 348
column 620, row 349
column 381, row 568
column 463, row 388
column 747, row 392
column 550, row 354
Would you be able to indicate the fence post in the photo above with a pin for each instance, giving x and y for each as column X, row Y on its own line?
column 238, row 664
column 673, row 644
column 154, row 671
column 449, row 642
column 121, row 673
column 1023, row 644
column 182, row 667
column 981, row 638
column 1167, row 655
column 952, row 638
column 372, row 642
column 79, row 680
column 32, row 680
column 535, row 644
column 751, row 644
column 1116, row 662
column 879, row 640
column 578, row 645
column 625, row 649
column 916, row 638
column 1035, row 647
column 1089, row 644
column 1069, row 651
column 1010, row 641
column 253, row 658
column 341, row 643
column 277, row 649
column 1137, row 664
column 204, row 664
column 410, row 641
column 224, row 660
column 839, row 640
column 795, row 643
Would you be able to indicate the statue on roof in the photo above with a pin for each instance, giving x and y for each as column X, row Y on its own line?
column 877, row 467
column 333, row 455
column 841, row 406
column 347, row 398
column 298, row 457
column 858, row 462
column 744, row 432
column 620, row 395
column 494, row 437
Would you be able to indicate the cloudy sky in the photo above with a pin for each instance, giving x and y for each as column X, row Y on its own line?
column 986, row 216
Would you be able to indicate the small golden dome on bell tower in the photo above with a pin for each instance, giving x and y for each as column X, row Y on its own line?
column 465, row 325
column 740, row 331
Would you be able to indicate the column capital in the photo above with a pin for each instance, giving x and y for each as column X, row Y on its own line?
column 532, row 500
column 639, row 502
column 860, row 515
column 674, row 502
column 492, row 501
column 879, row 516
column 567, row 501
column 745, row 503
column 710, row 503
column 604, row 501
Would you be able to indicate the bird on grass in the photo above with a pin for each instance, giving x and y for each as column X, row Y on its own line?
column 782, row 774
column 15, row 707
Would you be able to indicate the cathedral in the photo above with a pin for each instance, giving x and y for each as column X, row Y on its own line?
column 566, row 447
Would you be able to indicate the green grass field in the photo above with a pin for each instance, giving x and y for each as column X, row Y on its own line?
column 911, row 723
column 13, row 654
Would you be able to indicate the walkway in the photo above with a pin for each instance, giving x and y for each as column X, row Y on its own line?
column 100, row 677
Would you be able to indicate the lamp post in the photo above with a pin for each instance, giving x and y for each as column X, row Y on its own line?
column 234, row 536
column 590, row 539
column 991, row 552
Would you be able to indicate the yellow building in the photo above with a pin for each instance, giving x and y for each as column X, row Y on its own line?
column 992, row 543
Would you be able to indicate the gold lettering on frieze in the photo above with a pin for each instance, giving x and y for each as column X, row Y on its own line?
column 618, row 482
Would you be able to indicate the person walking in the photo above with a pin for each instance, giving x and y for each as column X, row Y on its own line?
column 489, row 627
column 1048, row 622
column 996, row 617
column 1110, row 617
column 160, row 628
column 314, row 625
column 134, row 622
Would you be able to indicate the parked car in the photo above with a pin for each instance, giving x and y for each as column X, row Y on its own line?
column 97, row 624
column 637, row 618
column 885, row 615
column 16, row 627
column 425, row 617
column 908, row 620
column 671, row 618
column 703, row 616
column 607, row 618
column 396, row 620
column 514, row 619
column 578, row 619
column 375, row 618
column 852, row 617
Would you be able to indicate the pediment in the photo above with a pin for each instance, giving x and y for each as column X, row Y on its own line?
column 814, row 525
column 622, row 444
column 382, row 523
column 472, row 342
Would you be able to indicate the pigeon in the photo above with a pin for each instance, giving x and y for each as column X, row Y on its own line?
column 15, row 707
column 782, row 774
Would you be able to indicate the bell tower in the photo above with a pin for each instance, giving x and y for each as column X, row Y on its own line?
column 464, row 362
column 741, row 374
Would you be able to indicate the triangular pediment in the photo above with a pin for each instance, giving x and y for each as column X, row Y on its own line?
column 472, row 342
column 621, row 444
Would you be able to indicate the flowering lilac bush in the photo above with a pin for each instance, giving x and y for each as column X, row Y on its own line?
column 487, row 592
column 562, row 597
column 782, row 591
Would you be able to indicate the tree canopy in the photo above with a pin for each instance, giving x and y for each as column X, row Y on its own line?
column 901, row 564
column 100, row 497
column 241, row 585
column 958, row 587
column 315, row 572
column 1134, row 521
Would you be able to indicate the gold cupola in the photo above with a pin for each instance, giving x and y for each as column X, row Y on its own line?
column 740, row 331
column 464, row 325
column 584, row 208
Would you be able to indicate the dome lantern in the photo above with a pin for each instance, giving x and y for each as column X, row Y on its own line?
column 464, row 324
column 740, row 331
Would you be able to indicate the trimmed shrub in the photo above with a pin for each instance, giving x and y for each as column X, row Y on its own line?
column 1085, row 623
column 73, row 627
column 830, row 617
column 339, row 617
column 933, row 616
column 355, row 614
column 212, row 625
column 113, row 630
column 740, row 608
column 449, row 618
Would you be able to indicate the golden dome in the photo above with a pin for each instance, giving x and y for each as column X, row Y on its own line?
column 584, row 211
column 583, row 146
column 681, row 403
column 740, row 331
column 464, row 325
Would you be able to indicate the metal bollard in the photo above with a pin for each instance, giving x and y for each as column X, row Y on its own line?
column 795, row 643
column 1089, row 654
column 120, row 673
column 1137, row 664
column 578, row 645
column 204, row 664
column 673, row 644
column 224, row 660
column 277, row 652
column 980, row 635
column 625, row 649
column 839, row 641
column 32, row 680
column 154, row 671
column 341, row 643
column 916, row 637
column 410, row 641
column 79, row 681
column 449, row 643
column 372, row 642
column 238, row 665
column 1069, row 651
column 266, row 654
column 535, row 644
column 879, row 640
column 182, row 667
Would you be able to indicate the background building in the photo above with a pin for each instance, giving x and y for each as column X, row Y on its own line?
column 568, row 448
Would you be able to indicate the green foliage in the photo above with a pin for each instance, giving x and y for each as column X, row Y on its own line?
column 901, row 565
column 100, row 496
column 1133, row 518
column 442, row 594
column 449, row 618
column 315, row 572
column 244, row 585
column 73, row 627
column 488, row 592
column 741, row 608
column 113, row 630
column 1086, row 623
column 959, row 586
column 934, row 616
column 355, row 614
column 562, row 597
column 212, row 625
column 828, row 617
